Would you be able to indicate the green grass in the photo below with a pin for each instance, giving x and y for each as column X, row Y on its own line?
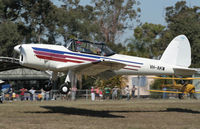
column 81, row 114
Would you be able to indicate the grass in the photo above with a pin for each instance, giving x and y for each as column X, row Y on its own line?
column 81, row 114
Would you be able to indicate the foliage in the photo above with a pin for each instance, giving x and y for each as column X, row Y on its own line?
column 147, row 38
column 119, row 81
column 9, row 37
column 182, row 19
column 114, row 16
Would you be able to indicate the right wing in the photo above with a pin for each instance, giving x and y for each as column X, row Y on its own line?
column 162, row 91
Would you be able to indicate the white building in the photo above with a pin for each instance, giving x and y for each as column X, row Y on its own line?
column 142, row 83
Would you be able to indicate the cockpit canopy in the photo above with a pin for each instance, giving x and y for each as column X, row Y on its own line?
column 89, row 47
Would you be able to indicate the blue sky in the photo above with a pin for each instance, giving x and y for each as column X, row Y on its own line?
column 154, row 10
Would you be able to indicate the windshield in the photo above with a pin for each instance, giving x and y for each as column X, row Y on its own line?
column 89, row 48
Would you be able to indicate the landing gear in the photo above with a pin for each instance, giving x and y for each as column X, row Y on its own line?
column 64, row 88
column 48, row 86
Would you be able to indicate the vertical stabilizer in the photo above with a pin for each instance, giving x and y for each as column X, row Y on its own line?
column 178, row 52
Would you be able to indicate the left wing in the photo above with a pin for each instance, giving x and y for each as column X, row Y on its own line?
column 176, row 92
column 92, row 68
column 172, row 78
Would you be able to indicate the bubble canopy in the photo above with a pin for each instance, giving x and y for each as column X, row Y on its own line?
column 88, row 47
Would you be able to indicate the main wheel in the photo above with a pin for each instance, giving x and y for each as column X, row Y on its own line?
column 64, row 88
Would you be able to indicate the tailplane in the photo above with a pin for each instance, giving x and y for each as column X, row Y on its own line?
column 178, row 52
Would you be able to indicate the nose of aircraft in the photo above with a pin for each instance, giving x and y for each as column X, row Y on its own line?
column 17, row 48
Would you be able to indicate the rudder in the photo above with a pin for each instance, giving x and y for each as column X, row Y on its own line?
column 178, row 52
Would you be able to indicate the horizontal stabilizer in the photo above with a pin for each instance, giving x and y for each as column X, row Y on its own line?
column 184, row 71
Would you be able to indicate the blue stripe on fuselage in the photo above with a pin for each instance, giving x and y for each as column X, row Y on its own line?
column 62, row 52
column 125, row 61
column 77, row 54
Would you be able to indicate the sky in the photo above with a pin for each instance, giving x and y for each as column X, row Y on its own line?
column 152, row 11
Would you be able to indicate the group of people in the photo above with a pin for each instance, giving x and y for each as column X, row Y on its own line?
column 96, row 93
column 24, row 94
column 129, row 91
column 114, row 93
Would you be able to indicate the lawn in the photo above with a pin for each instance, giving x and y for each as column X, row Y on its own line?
column 82, row 114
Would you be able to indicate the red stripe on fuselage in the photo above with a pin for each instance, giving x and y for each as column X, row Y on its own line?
column 134, row 66
column 57, row 59
column 61, row 56
column 131, row 69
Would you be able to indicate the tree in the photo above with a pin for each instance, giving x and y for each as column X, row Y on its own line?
column 79, row 22
column 114, row 16
column 147, row 37
column 182, row 19
column 37, row 19
column 9, row 37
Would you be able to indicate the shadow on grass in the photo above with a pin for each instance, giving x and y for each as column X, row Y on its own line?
column 78, row 111
column 103, row 114
column 181, row 110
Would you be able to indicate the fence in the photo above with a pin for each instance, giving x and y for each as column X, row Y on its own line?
column 79, row 94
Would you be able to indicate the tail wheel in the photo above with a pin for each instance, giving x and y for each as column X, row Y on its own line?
column 64, row 88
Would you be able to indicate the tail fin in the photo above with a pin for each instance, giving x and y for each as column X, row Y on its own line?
column 178, row 52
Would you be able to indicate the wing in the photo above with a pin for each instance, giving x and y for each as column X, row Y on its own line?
column 162, row 91
column 175, row 92
column 172, row 78
column 92, row 68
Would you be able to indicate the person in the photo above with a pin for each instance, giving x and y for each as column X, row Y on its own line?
column 22, row 93
column 92, row 94
column 14, row 96
column 133, row 91
column 32, row 91
column 100, row 94
column 107, row 92
column 73, row 92
column 97, row 93
column 114, row 93
column 42, row 95
column 127, row 92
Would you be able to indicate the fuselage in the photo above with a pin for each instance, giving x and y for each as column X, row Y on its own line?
column 48, row 57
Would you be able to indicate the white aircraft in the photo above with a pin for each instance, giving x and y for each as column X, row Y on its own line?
column 79, row 57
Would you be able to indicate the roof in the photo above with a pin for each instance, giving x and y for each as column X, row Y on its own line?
column 7, row 63
column 10, row 69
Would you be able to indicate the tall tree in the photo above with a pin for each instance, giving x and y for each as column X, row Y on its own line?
column 147, row 37
column 79, row 21
column 182, row 19
column 9, row 37
column 36, row 18
column 114, row 16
